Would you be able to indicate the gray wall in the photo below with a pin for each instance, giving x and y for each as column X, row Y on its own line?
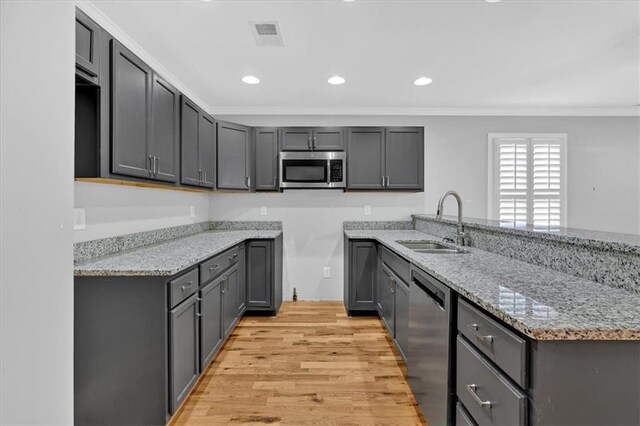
column 36, row 190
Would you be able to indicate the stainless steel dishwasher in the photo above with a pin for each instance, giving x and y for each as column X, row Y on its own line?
column 428, row 357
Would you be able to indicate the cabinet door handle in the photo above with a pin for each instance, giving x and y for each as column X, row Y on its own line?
column 248, row 181
column 150, row 168
column 387, row 181
column 233, row 257
column 474, row 327
column 472, row 390
column 309, row 143
column 382, row 181
column 156, row 163
column 214, row 267
column 186, row 287
column 313, row 144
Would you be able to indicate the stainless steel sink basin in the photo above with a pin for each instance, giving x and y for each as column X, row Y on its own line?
column 430, row 247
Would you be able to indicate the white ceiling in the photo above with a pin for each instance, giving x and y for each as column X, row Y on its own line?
column 513, row 54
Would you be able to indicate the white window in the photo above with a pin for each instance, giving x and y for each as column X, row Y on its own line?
column 527, row 180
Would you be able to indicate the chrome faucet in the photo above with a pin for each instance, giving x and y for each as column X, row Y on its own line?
column 461, row 234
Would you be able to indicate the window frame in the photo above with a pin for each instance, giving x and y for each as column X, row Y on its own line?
column 493, row 179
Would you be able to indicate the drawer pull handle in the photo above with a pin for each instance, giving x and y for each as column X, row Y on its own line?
column 472, row 390
column 488, row 338
column 233, row 256
column 214, row 267
column 186, row 287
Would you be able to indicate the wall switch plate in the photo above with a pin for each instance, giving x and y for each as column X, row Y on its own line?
column 263, row 210
column 79, row 221
column 326, row 272
column 367, row 210
column 192, row 211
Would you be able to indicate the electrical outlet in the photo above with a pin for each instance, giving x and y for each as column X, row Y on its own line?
column 192, row 211
column 263, row 210
column 79, row 221
column 326, row 272
column 367, row 210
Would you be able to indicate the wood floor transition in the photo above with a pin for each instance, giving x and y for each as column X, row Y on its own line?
column 312, row 364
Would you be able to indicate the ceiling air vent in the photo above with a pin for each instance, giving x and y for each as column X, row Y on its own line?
column 267, row 34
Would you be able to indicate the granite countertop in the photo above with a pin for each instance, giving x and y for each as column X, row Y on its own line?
column 629, row 243
column 170, row 257
column 541, row 303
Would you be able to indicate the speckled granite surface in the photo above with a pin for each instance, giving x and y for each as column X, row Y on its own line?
column 377, row 224
column 87, row 250
column 541, row 303
column 608, row 258
column 170, row 257
column 84, row 251
column 237, row 225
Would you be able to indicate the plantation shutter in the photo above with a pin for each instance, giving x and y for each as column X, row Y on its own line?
column 513, row 189
column 547, row 183
column 528, row 179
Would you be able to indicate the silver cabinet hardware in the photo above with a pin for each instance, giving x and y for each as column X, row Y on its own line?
column 214, row 267
column 382, row 181
column 472, row 390
column 156, row 163
column 198, row 314
column 313, row 144
column 309, row 143
column 198, row 299
column 387, row 181
column 150, row 168
column 488, row 338
column 186, row 287
column 233, row 257
column 248, row 180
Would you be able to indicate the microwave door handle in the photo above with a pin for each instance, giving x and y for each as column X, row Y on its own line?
column 329, row 172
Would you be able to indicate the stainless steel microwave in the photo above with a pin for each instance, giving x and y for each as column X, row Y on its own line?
column 315, row 170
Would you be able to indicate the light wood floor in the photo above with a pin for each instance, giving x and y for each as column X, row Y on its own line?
column 312, row 364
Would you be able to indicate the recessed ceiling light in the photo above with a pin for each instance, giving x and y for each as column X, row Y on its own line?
column 348, row 1
column 336, row 80
column 250, row 79
column 493, row 1
column 422, row 81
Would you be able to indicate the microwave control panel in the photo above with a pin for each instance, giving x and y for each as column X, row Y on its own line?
column 336, row 170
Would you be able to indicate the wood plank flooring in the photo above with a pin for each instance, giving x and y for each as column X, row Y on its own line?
column 312, row 364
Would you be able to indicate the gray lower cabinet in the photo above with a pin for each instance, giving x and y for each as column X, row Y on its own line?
column 197, row 145
column 365, row 158
column 234, row 156
column 387, row 299
column 184, row 328
column 401, row 309
column 360, row 278
column 266, row 161
column 385, row 158
column 87, row 47
column 130, row 113
column 264, row 276
column 229, row 300
column 210, row 321
column 242, row 280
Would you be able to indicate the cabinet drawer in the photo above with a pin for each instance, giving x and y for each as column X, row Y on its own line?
column 463, row 418
column 214, row 266
column 496, row 342
column 182, row 287
column 396, row 263
column 488, row 395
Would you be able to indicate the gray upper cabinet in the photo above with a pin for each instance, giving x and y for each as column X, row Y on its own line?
column 87, row 47
column 131, row 110
column 165, row 124
column 328, row 139
column 234, row 156
column 183, row 348
column 365, row 158
column 266, row 146
column 207, row 150
column 296, row 139
column 391, row 158
column 197, row 146
column 404, row 158
column 189, row 119
column 312, row 139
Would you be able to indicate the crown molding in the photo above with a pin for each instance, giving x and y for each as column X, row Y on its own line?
column 118, row 33
column 476, row 111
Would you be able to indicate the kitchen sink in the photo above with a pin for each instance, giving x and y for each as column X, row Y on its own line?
column 430, row 247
